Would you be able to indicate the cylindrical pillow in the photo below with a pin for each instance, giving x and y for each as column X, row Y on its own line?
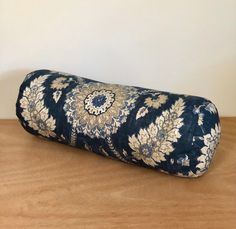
column 176, row 134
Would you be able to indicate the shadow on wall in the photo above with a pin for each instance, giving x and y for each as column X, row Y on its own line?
column 10, row 82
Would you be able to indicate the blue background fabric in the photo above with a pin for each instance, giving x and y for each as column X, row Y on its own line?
column 176, row 134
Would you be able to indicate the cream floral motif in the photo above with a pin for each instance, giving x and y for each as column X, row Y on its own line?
column 208, row 106
column 141, row 112
column 156, row 103
column 153, row 143
column 60, row 83
column 56, row 95
column 34, row 110
column 211, row 108
column 98, row 109
column 211, row 141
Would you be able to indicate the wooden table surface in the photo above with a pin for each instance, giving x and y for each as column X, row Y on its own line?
column 48, row 185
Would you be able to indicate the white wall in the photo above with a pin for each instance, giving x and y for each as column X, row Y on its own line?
column 183, row 46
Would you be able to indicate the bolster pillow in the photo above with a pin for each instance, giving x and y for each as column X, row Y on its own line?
column 173, row 133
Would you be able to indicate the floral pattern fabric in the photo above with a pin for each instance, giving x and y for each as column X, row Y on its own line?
column 34, row 111
column 153, row 143
column 176, row 134
column 97, row 109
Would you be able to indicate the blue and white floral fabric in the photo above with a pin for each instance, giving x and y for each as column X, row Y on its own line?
column 176, row 134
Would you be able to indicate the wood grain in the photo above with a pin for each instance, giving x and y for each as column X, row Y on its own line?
column 48, row 185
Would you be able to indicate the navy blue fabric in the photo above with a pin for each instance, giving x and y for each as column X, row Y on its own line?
column 173, row 133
